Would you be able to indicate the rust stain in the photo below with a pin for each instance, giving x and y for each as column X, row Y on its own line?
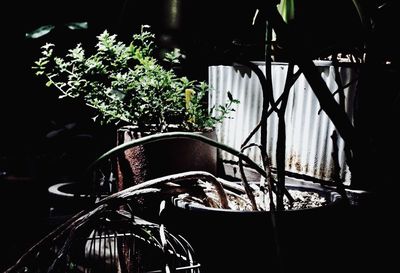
column 290, row 161
column 306, row 168
column 294, row 161
column 298, row 166
column 295, row 164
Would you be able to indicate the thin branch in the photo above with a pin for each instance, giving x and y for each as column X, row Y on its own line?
column 246, row 186
column 342, row 98
column 270, row 111
column 281, row 142
column 300, row 57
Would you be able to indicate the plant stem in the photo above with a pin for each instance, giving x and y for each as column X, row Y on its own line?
column 281, row 142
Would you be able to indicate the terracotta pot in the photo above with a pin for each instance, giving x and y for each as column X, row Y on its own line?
column 162, row 158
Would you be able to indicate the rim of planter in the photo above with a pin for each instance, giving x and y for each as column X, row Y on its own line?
column 334, row 199
column 62, row 189
column 356, row 197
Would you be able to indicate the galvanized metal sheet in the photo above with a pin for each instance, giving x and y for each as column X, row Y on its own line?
column 308, row 130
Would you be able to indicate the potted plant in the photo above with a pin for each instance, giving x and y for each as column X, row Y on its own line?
column 218, row 219
column 128, row 85
column 225, row 238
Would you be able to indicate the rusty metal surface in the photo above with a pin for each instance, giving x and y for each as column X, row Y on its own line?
column 308, row 130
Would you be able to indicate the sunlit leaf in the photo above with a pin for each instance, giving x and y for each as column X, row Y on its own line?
column 104, row 76
column 286, row 9
column 77, row 25
column 39, row 32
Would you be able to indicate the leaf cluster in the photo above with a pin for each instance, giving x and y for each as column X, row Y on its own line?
column 126, row 83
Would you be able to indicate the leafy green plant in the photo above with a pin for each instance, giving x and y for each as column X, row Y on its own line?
column 127, row 84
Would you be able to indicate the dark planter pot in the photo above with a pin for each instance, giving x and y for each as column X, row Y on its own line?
column 234, row 241
column 157, row 159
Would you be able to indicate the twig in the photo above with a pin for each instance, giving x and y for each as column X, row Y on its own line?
column 246, row 186
column 264, row 155
column 281, row 142
column 270, row 111
column 297, row 51
column 342, row 98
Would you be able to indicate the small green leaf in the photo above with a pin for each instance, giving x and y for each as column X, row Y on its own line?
column 49, row 83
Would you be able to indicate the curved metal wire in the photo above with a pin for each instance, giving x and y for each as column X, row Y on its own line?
column 108, row 238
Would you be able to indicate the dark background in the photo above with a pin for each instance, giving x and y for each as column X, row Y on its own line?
column 28, row 108
column 43, row 139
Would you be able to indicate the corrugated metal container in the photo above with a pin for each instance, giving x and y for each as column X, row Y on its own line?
column 308, row 130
